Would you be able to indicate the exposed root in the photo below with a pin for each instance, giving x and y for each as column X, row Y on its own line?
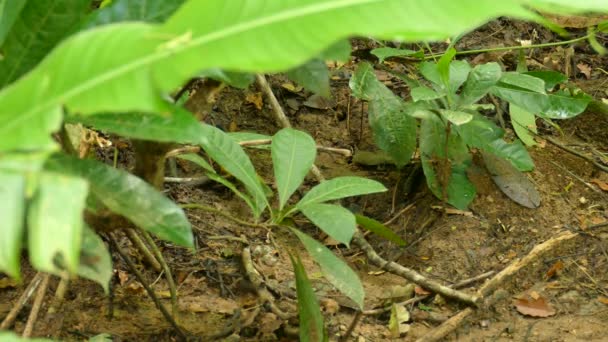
column 23, row 299
column 40, row 293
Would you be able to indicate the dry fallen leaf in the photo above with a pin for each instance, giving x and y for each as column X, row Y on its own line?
column 256, row 99
column 555, row 269
column 538, row 307
column 319, row 102
column 585, row 69
column 421, row 291
column 601, row 184
column 207, row 303
column 7, row 283
column 602, row 300
column 397, row 323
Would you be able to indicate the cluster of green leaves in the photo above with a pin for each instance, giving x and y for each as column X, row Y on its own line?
column 450, row 121
column 72, row 68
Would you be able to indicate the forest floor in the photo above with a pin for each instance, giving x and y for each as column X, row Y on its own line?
column 567, row 285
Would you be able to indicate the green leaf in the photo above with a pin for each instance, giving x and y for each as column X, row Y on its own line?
column 313, row 76
column 459, row 72
column 247, row 136
column 39, row 27
column 180, row 126
column 479, row 82
column 444, row 66
column 311, row 320
column 445, row 178
column 524, row 81
column 9, row 336
column 230, row 155
column 12, row 210
column 336, row 221
column 9, row 13
column 132, row 10
column 293, row 154
column 423, row 93
column 142, row 60
column 456, row 117
column 564, row 105
column 240, row 80
column 55, row 223
column 483, row 134
column 430, row 71
column 551, row 78
column 336, row 271
column 339, row 51
column 95, row 259
column 387, row 52
column 130, row 197
column 379, row 229
column 394, row 130
column 340, row 187
column 523, row 122
column 198, row 160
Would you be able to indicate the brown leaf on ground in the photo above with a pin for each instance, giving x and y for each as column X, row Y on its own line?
column 538, row 307
column 601, row 184
column 555, row 269
column 421, row 291
column 256, row 99
column 602, row 300
column 207, row 303
column 584, row 69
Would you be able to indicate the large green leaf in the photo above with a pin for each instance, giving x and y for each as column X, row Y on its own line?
column 482, row 133
column 293, row 154
column 336, row 221
column 480, row 82
column 132, row 10
column 12, row 197
column 379, row 229
column 124, row 67
column 551, row 78
column 445, row 173
column 130, row 197
column 40, row 26
column 334, row 269
column 95, row 259
column 9, row 13
column 55, row 223
column 311, row 319
column 394, row 130
column 524, row 123
column 340, row 187
column 524, row 81
column 313, row 76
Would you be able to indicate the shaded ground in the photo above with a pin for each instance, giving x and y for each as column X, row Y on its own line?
column 445, row 247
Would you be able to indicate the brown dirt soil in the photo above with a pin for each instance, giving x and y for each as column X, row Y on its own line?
column 214, row 290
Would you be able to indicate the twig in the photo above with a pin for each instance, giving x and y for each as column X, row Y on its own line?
column 182, row 150
column 576, row 153
column 488, row 288
column 137, row 242
column 351, row 327
column 31, row 320
column 258, row 142
column 410, row 274
column 280, row 116
column 260, row 288
column 242, row 239
column 401, row 212
column 577, row 177
column 190, row 181
column 62, row 288
column 166, row 269
column 220, row 212
column 23, row 299
column 150, row 292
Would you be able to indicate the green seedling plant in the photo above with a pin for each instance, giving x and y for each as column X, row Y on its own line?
column 447, row 105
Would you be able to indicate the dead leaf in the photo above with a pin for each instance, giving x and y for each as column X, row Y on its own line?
column 397, row 323
column 601, row 184
column 421, row 291
column 291, row 87
column 135, row 288
column 7, row 282
column 511, row 181
column 555, row 269
column 123, row 277
column 534, row 307
column 207, row 303
column 269, row 323
column 256, row 99
column 585, row 69
column 319, row 102
column 329, row 306
column 602, row 300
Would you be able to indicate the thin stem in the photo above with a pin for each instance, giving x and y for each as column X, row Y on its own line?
column 166, row 269
column 219, row 212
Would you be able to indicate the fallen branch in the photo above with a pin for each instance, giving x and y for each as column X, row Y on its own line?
column 410, row 274
column 576, row 153
column 23, row 299
column 40, row 293
column 488, row 288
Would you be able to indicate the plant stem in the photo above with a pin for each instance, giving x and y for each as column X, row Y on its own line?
column 509, row 48
column 219, row 212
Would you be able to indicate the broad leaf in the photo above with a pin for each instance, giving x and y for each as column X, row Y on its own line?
column 394, row 130
column 336, row 271
column 313, row 76
column 387, row 52
column 524, row 81
column 480, row 81
column 459, row 72
column 293, row 154
column 139, row 61
column 55, row 223
column 9, row 13
column 379, row 229
column 444, row 69
column 523, row 122
column 130, row 197
column 551, row 78
column 239, row 80
column 338, row 51
column 512, row 182
column 95, row 259
column 132, row 10
column 12, row 210
column 456, row 117
column 445, row 174
column 340, row 187
column 482, row 133
column 424, row 94
column 9, row 336
column 336, row 221
column 311, row 319
column 198, row 160
column 39, row 27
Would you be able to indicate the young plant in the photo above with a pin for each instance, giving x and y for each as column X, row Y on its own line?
column 450, row 122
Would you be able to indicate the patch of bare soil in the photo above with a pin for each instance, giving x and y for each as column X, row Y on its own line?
column 217, row 300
